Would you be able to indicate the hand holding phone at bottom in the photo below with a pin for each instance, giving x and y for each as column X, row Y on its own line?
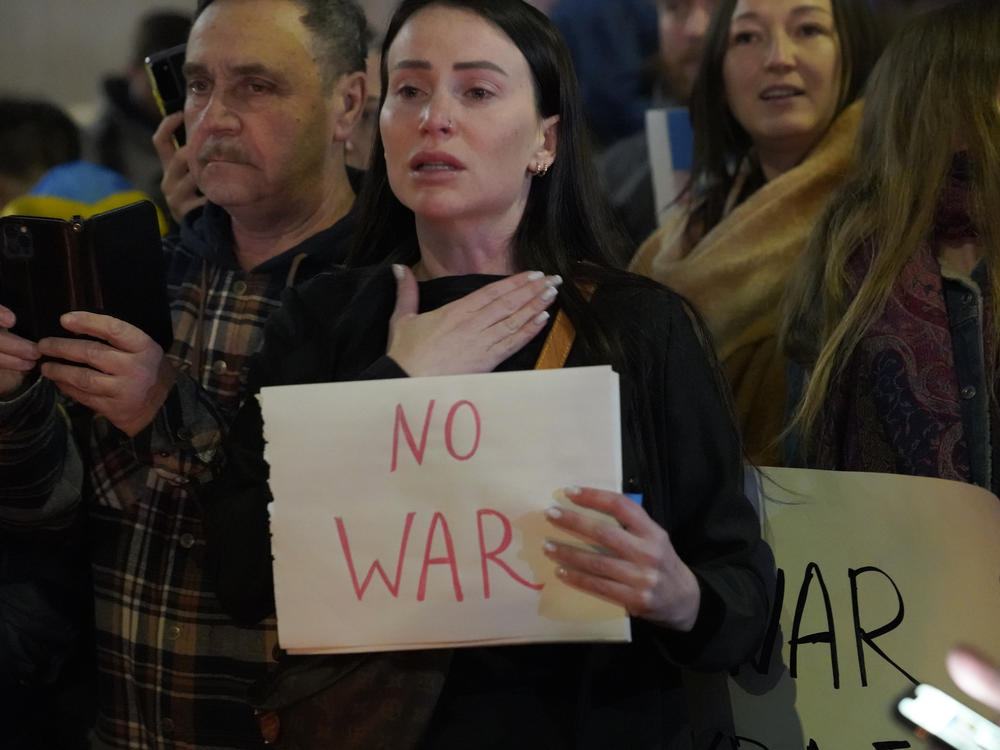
column 123, row 376
column 18, row 356
column 975, row 674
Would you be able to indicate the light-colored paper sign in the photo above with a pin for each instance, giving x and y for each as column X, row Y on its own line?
column 668, row 132
column 409, row 513
column 881, row 575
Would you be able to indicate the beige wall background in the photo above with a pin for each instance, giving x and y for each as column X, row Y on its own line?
column 60, row 49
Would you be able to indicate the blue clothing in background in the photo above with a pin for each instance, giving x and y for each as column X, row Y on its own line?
column 611, row 42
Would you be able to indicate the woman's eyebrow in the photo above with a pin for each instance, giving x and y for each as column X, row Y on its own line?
column 422, row 64
column 470, row 65
column 796, row 11
column 475, row 64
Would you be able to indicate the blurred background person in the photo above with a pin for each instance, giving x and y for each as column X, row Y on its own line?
column 41, row 172
column 121, row 137
column 625, row 166
column 35, row 136
column 613, row 45
column 774, row 115
column 894, row 307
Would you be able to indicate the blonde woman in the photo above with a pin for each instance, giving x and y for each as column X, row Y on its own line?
column 774, row 115
column 894, row 309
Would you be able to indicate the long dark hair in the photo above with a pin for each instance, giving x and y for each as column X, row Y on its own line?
column 567, row 227
column 720, row 142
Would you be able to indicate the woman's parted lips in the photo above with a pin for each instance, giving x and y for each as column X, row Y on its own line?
column 780, row 92
column 434, row 160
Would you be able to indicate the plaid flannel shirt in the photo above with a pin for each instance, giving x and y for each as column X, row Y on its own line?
column 174, row 669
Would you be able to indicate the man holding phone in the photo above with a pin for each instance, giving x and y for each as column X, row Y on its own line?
column 273, row 90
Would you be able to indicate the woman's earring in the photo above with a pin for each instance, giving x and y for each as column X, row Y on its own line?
column 540, row 169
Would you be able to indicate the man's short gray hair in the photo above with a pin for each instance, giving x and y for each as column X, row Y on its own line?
column 340, row 34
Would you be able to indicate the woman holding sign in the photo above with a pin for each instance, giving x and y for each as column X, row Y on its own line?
column 481, row 209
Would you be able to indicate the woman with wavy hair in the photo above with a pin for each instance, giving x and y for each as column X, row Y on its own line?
column 894, row 309
column 774, row 111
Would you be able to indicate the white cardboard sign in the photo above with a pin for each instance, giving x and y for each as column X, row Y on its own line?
column 881, row 575
column 409, row 513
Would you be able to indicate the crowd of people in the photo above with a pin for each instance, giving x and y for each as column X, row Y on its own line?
column 430, row 199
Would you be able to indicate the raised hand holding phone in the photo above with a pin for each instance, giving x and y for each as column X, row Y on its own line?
column 946, row 722
column 118, row 371
column 976, row 674
column 178, row 185
column 166, row 72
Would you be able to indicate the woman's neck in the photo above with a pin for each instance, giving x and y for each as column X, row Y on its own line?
column 455, row 251
column 782, row 155
column 776, row 162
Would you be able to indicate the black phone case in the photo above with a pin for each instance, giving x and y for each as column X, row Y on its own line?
column 111, row 263
column 166, row 72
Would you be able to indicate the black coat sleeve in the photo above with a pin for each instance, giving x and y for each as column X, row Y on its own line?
column 693, row 445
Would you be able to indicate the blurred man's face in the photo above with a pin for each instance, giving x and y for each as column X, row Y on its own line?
column 683, row 25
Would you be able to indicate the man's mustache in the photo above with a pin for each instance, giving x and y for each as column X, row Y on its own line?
column 222, row 151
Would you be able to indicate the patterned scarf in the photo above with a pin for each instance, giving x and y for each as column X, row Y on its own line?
column 896, row 407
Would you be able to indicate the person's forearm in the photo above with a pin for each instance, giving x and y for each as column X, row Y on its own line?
column 41, row 473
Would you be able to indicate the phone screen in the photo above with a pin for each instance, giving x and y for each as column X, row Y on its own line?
column 947, row 720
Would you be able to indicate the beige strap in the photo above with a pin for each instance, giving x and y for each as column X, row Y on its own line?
column 557, row 344
column 560, row 339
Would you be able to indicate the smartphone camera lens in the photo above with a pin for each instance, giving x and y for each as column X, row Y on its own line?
column 17, row 242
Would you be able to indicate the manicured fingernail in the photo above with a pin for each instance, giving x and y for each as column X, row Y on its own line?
column 553, row 512
column 535, row 275
column 67, row 318
column 541, row 318
column 549, row 546
column 549, row 293
column 555, row 280
column 573, row 490
column 398, row 272
column 561, row 571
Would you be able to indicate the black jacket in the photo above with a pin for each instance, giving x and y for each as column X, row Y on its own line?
column 680, row 450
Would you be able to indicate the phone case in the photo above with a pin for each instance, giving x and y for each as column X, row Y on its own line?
column 111, row 263
column 166, row 74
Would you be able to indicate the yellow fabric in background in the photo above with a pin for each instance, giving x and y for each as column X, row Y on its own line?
column 53, row 207
column 736, row 274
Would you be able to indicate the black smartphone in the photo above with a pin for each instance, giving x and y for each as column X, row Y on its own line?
column 936, row 716
column 166, row 72
column 111, row 263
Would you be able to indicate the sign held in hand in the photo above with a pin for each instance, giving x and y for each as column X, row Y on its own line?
column 409, row 513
